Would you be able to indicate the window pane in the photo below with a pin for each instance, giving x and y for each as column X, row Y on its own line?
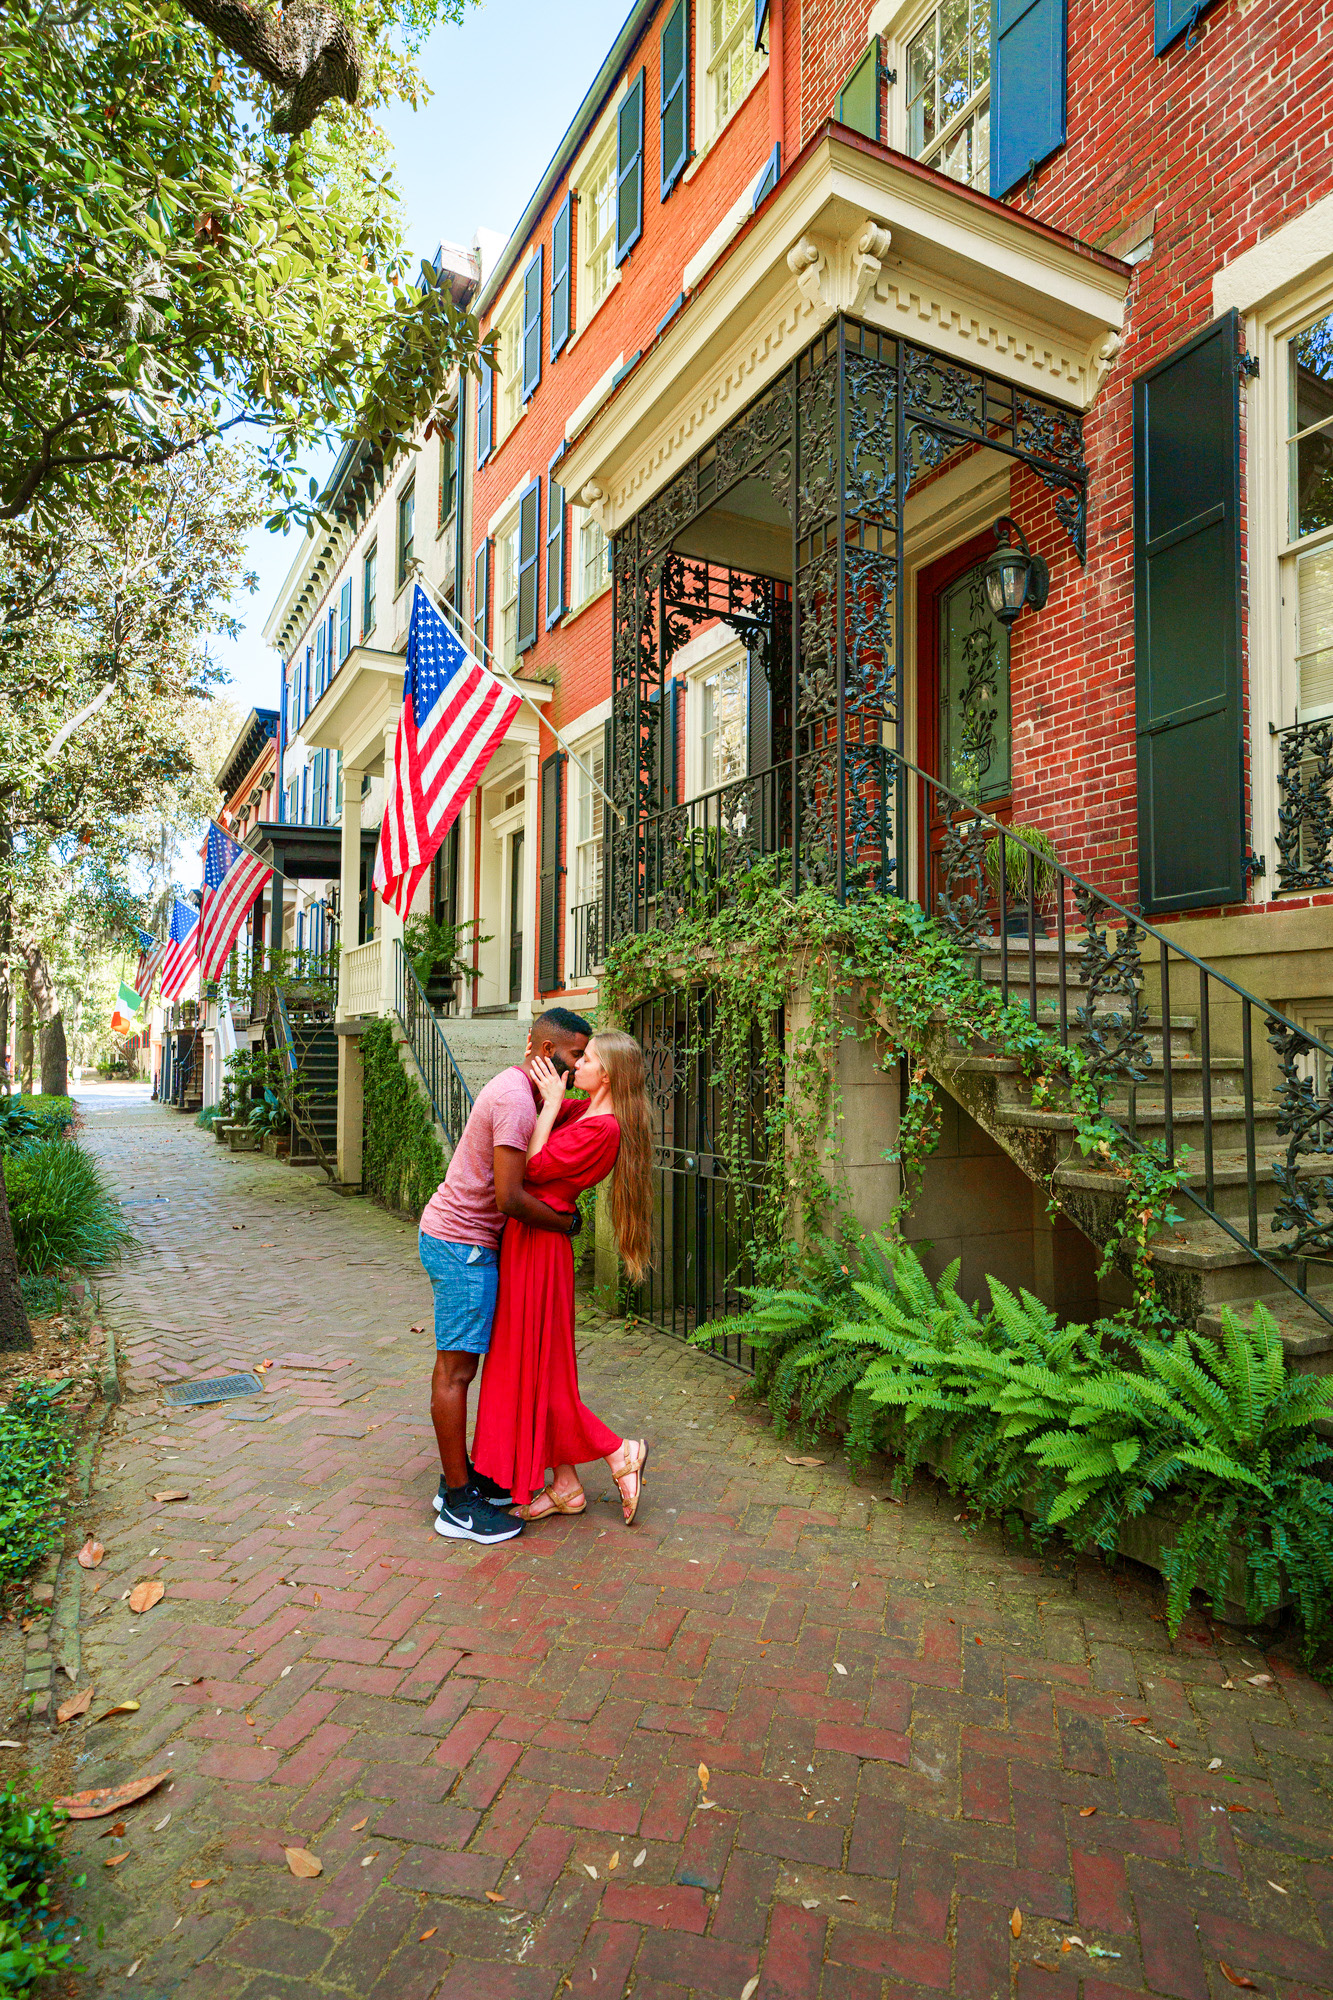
column 980, row 44
column 722, row 727
column 1312, row 482
column 954, row 92
column 1314, row 597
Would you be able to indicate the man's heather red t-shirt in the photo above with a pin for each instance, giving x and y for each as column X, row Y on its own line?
column 462, row 1208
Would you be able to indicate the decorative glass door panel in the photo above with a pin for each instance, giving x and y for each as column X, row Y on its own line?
column 975, row 727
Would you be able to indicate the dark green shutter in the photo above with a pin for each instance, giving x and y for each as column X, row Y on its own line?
column 858, row 100
column 529, row 542
column 485, row 402
column 481, row 594
column 629, row 169
column 609, row 825
column 1027, row 85
column 675, row 45
column 548, row 946
column 532, row 324
column 560, row 240
column 1187, row 580
column 555, row 550
column 345, row 621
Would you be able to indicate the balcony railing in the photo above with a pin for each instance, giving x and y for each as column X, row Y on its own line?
column 450, row 1098
column 586, row 932
column 361, row 980
column 1305, row 811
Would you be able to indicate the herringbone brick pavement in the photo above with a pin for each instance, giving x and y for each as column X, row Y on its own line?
column 909, row 1730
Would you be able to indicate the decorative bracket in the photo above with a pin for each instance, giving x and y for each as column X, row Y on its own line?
column 872, row 247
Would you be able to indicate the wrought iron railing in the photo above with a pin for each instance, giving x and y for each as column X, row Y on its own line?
column 1305, row 809
column 1251, row 1093
column 586, row 925
column 450, row 1098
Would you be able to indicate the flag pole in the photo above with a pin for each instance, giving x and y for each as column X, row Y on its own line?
column 455, row 616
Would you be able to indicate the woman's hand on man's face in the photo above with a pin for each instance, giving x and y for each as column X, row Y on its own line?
column 549, row 1080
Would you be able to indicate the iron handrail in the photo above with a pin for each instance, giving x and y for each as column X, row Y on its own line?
column 450, row 1098
column 285, row 1025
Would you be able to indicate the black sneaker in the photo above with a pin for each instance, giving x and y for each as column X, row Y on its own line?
column 484, row 1488
column 467, row 1518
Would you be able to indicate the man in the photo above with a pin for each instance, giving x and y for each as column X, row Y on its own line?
column 460, row 1246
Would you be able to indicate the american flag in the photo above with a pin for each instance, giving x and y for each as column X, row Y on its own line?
column 233, row 878
column 180, row 961
column 151, row 952
column 454, row 715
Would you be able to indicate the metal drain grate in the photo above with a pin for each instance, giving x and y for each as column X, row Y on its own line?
column 220, row 1389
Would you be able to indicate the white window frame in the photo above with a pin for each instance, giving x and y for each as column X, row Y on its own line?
column 719, row 652
column 507, row 405
column 598, row 152
column 897, row 23
column 580, row 520
column 589, row 750
column 708, row 127
column 505, row 642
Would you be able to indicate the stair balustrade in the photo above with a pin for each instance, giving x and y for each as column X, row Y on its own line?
column 450, row 1098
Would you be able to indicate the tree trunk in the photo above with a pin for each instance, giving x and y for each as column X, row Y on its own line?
column 23, row 1050
column 55, row 1058
column 307, row 49
column 14, row 1329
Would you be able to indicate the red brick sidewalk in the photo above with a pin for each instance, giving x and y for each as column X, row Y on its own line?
column 908, row 1732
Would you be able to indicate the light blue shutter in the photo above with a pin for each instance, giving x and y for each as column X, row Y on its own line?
column 345, row 621
column 485, row 401
column 314, row 676
column 1027, row 85
column 305, row 795
column 629, row 169
column 532, row 324
column 675, row 122
column 555, row 550
column 1171, row 18
column 329, row 648
column 768, row 180
column 560, row 313
column 529, row 544
column 760, row 20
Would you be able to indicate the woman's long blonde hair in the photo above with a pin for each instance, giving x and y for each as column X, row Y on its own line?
column 632, row 1188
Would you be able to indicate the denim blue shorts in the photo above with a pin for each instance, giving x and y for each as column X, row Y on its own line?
column 466, row 1278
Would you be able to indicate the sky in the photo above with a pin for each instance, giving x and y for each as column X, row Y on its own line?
column 506, row 84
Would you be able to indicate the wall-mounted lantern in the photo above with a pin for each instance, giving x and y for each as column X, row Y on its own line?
column 1013, row 576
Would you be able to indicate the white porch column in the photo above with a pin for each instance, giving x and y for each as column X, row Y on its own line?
column 350, row 1073
column 349, row 881
column 389, row 927
column 531, row 836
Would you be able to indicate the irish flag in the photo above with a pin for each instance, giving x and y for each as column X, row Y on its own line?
column 125, row 1013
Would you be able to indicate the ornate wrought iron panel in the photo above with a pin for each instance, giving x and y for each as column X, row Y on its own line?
column 1305, row 814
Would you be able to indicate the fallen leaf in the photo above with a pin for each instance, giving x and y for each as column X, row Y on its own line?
column 1259, row 1681
column 428, row 1934
column 1016, row 1923
column 1238, row 1978
column 161, row 1823
column 1069, row 1943
column 418, row 1329
column 639, row 1858
column 303, row 1864
column 318, row 1598
column 588, row 1869
column 614, row 1862
column 703, row 1776
column 1136, row 1721
column 494, row 1896
column 107, row 1798
column 114, row 1860
column 130, row 1970
column 1045, row 1965
column 1215, row 1764
column 146, row 1594
column 283, row 1675
column 802, row 1461
column 1240, row 1808
column 113, row 1832
column 90, row 1554
column 1172, row 1742
column 367, row 1859
column 839, row 1668
column 750, row 1988
column 1086, row 1812
column 78, row 1704
column 121, row 1708
column 1228, row 1684
column 357, row 1824
column 10, row 1743
column 846, row 1899
column 1276, row 1885
column 172, row 1493
column 202, row 1882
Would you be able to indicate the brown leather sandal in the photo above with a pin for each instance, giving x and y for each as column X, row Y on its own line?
column 534, row 1511
column 637, row 1449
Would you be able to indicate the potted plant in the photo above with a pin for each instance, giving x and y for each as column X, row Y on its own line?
column 1020, row 921
column 436, row 953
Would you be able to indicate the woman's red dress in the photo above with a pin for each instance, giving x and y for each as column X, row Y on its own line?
column 529, row 1414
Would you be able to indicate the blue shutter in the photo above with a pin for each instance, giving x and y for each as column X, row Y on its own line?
column 305, row 796
column 629, row 169
column 555, row 550
column 560, row 301
column 532, row 324
column 675, row 120
column 1027, row 87
column 481, row 594
column 314, row 671
column 345, row 621
column 529, row 549
column 1171, row 18
column 760, row 20
column 329, row 649
column 768, row 180
column 485, row 401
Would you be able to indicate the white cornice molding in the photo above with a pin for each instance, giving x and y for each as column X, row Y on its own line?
column 903, row 250
column 1295, row 251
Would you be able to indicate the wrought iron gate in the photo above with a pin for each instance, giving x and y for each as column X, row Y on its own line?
column 711, row 1149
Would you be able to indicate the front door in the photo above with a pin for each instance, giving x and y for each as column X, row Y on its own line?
column 516, row 917
column 965, row 722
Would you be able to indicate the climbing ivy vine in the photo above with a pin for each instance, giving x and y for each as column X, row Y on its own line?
column 402, row 1160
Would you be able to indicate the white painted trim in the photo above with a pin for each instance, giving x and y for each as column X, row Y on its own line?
column 735, row 218
column 706, row 135
column 594, row 399
column 508, row 504
column 730, row 653
column 701, row 650
column 592, row 145
column 1297, row 250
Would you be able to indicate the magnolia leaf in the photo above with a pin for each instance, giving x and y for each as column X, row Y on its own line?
column 494, row 1896
column 1016, row 1923
column 588, row 1869
column 428, row 1934
column 114, row 1860
column 90, row 1554
column 1260, row 1680
column 839, row 1668
column 614, row 1862
column 750, row 1988
column 78, row 1704
column 164, row 1821
column 202, row 1882
column 357, row 1824
column 109, row 1798
column 303, row 1864
column 1214, row 1763
column 1238, row 1978
column 366, row 1859
column 1086, row 1812
column 120, row 1708
column 146, row 1594
column 641, row 1857
column 703, row 1776
column 801, row 1461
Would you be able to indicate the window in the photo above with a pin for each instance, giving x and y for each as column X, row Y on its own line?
column 507, row 593
column 597, row 228
column 407, row 512
column 508, row 393
column 719, row 703
column 448, row 476
column 948, row 92
column 592, row 573
column 1310, row 503
column 588, row 809
column 731, row 60
column 368, row 591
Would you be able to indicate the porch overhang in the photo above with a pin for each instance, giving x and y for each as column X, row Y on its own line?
column 356, row 707
column 854, row 228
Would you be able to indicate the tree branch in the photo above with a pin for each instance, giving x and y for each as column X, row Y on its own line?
column 308, row 50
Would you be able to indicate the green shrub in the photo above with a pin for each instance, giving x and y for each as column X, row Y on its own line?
column 1081, row 1428
column 25, row 1120
column 36, row 1440
column 208, row 1117
column 34, row 1942
column 61, row 1207
column 45, row 1293
column 402, row 1161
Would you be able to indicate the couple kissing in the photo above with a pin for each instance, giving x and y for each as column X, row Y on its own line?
column 495, row 1244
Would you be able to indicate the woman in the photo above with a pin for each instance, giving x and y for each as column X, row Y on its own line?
column 529, row 1414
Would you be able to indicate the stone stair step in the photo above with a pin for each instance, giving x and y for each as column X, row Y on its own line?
column 1307, row 1340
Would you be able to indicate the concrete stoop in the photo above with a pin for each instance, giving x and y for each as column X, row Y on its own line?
column 483, row 1044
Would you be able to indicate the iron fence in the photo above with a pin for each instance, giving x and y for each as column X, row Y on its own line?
column 450, row 1098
